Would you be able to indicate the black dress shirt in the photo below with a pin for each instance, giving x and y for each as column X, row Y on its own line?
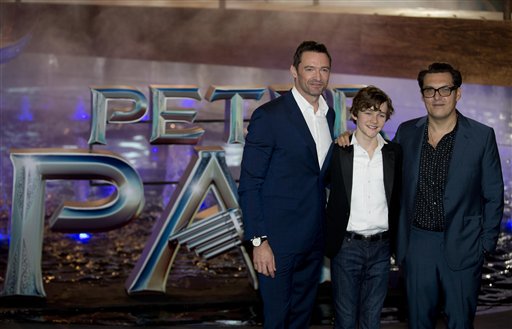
column 434, row 165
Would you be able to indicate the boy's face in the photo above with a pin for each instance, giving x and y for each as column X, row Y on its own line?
column 370, row 121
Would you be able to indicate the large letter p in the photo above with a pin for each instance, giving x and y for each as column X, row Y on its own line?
column 31, row 170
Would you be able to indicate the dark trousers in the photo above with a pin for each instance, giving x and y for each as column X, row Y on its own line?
column 289, row 297
column 359, row 275
column 429, row 280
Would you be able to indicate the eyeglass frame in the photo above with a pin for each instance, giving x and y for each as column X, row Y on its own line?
column 438, row 90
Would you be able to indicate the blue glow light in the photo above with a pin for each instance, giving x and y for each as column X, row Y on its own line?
column 107, row 190
column 80, row 113
column 4, row 238
column 146, row 117
column 25, row 115
column 507, row 225
column 188, row 103
column 82, row 237
column 203, row 206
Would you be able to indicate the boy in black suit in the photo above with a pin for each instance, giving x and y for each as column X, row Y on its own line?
column 362, row 213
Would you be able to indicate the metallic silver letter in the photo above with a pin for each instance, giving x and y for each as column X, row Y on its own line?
column 31, row 170
column 234, row 108
column 340, row 94
column 163, row 118
column 101, row 115
column 279, row 89
column 207, row 171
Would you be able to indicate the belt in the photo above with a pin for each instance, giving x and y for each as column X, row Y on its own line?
column 374, row 237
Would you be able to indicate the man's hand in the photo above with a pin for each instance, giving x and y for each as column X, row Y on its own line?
column 343, row 140
column 263, row 259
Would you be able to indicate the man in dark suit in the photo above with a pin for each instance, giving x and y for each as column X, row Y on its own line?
column 362, row 213
column 282, row 193
column 451, row 203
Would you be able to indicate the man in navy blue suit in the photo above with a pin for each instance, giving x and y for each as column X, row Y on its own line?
column 451, row 203
column 282, row 194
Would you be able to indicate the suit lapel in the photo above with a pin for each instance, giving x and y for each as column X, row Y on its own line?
column 347, row 167
column 330, row 122
column 388, row 163
column 297, row 120
column 458, row 156
column 459, row 147
column 414, row 145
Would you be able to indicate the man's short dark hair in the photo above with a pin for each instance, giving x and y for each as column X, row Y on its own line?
column 441, row 68
column 309, row 46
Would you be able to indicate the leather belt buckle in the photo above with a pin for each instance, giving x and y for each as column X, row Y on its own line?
column 370, row 238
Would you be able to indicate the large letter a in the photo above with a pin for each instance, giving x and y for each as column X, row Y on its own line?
column 206, row 170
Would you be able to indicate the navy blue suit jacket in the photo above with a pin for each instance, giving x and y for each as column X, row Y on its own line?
column 282, row 192
column 473, row 198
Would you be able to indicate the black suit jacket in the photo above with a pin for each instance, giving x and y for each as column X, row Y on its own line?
column 340, row 179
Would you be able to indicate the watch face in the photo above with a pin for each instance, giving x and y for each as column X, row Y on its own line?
column 256, row 242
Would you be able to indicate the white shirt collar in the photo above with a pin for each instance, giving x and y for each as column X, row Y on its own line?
column 380, row 141
column 304, row 104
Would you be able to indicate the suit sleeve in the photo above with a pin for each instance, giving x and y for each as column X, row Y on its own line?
column 255, row 163
column 396, row 139
column 492, row 193
column 395, row 198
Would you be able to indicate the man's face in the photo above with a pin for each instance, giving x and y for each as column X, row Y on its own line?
column 312, row 75
column 440, row 107
column 370, row 122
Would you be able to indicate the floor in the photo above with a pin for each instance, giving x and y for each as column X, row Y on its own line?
column 498, row 319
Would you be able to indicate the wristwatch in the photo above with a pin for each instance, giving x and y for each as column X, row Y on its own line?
column 258, row 240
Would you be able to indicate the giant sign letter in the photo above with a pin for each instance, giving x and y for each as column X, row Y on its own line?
column 31, row 170
column 234, row 108
column 101, row 115
column 164, row 121
column 340, row 94
column 206, row 171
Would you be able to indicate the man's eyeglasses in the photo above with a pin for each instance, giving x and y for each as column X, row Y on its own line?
column 443, row 91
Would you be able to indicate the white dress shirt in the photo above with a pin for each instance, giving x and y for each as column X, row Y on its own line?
column 368, row 205
column 317, row 124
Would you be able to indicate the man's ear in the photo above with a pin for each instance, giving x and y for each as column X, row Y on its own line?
column 293, row 71
column 353, row 116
